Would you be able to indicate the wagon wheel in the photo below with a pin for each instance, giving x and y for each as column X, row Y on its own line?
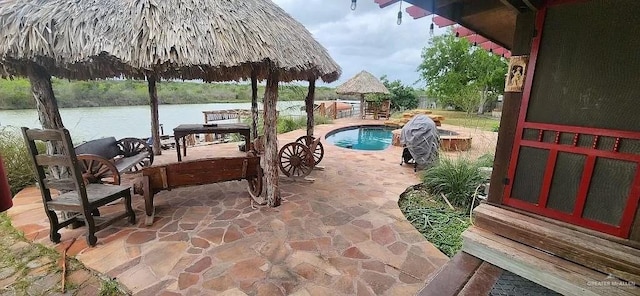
column 135, row 146
column 296, row 160
column 96, row 169
column 318, row 153
column 255, row 188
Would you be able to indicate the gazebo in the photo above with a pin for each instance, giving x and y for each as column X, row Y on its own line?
column 362, row 84
column 210, row 40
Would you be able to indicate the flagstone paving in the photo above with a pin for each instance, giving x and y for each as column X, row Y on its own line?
column 340, row 235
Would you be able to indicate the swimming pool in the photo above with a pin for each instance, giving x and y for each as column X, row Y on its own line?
column 367, row 137
column 361, row 137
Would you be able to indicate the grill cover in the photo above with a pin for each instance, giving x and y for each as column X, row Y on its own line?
column 420, row 137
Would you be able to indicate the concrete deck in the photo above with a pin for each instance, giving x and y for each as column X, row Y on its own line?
column 341, row 235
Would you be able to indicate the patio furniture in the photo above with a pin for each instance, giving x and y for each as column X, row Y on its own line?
column 384, row 111
column 181, row 131
column 370, row 108
column 76, row 196
column 298, row 159
column 199, row 172
column 104, row 160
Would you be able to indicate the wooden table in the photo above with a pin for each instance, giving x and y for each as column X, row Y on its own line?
column 183, row 130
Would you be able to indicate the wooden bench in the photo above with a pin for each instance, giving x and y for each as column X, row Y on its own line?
column 199, row 172
column 103, row 160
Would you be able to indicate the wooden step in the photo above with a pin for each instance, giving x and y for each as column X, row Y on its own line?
column 462, row 275
column 603, row 255
column 545, row 269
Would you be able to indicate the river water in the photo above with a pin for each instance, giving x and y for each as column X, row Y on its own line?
column 131, row 121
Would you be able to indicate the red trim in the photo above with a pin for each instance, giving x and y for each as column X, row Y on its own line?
column 583, row 130
column 581, row 150
column 535, row 47
column 548, row 176
column 585, row 182
column 561, row 216
column 632, row 205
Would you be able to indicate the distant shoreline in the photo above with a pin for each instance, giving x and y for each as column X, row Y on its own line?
column 16, row 94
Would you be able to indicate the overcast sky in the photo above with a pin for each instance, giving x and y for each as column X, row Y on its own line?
column 365, row 39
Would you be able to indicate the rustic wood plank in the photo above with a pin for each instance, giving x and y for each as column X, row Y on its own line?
column 593, row 252
column 49, row 160
column 482, row 280
column 453, row 276
column 542, row 268
column 44, row 135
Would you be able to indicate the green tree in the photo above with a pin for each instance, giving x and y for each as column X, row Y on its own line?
column 461, row 75
column 402, row 96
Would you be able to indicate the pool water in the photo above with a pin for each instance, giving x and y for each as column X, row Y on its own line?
column 361, row 137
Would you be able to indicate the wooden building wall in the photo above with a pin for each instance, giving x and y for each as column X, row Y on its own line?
column 569, row 144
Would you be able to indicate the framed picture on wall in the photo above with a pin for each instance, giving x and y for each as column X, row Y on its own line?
column 516, row 75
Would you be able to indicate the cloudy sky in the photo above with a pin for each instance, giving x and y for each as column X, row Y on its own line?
column 365, row 39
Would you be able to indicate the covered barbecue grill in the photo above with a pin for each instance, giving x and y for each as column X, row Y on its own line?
column 421, row 142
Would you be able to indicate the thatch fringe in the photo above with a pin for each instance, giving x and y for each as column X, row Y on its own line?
column 213, row 40
column 363, row 83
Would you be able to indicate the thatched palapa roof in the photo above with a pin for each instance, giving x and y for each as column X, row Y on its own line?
column 213, row 40
column 363, row 83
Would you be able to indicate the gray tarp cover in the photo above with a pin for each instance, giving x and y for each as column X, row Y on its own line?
column 420, row 136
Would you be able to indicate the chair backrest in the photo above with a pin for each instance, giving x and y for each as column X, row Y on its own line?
column 60, row 156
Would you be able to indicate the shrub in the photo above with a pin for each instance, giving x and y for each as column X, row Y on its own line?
column 485, row 160
column 496, row 127
column 16, row 159
column 456, row 179
column 438, row 224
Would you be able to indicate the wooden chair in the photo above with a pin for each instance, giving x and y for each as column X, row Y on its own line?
column 385, row 109
column 76, row 196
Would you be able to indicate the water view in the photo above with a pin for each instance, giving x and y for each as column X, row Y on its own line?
column 130, row 121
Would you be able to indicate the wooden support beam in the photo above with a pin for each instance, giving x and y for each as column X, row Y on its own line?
column 46, row 102
column 271, row 168
column 155, row 120
column 309, row 106
column 254, row 105
column 47, row 106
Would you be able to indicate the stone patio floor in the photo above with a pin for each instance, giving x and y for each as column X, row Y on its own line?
column 340, row 235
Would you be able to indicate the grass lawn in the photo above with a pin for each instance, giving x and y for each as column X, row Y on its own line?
column 460, row 118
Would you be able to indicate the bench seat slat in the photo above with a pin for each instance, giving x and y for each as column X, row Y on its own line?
column 126, row 163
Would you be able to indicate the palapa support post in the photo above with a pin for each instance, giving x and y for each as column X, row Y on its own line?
column 271, row 139
column 153, row 102
column 362, row 106
column 309, row 106
column 46, row 102
column 254, row 105
column 47, row 106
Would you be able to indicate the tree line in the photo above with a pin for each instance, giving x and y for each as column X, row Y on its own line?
column 16, row 93
column 461, row 75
